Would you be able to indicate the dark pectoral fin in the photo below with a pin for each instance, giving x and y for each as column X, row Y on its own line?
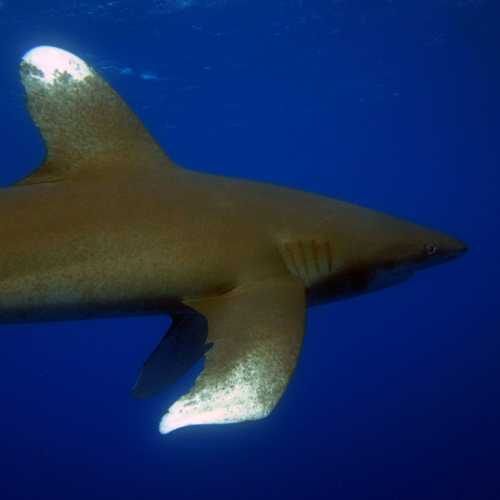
column 183, row 345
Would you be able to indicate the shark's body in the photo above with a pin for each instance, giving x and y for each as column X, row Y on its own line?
column 109, row 225
column 128, row 255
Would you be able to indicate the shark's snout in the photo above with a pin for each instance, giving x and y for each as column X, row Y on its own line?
column 450, row 247
column 439, row 249
column 458, row 248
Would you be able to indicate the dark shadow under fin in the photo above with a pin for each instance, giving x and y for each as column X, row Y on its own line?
column 182, row 346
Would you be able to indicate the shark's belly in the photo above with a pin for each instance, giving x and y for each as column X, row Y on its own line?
column 78, row 283
column 105, row 271
column 86, row 251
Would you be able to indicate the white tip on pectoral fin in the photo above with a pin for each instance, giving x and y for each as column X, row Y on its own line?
column 235, row 393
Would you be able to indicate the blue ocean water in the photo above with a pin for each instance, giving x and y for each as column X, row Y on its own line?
column 392, row 104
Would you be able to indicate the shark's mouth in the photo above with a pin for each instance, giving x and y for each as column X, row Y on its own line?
column 384, row 278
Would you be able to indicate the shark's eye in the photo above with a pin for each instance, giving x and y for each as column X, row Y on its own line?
column 430, row 249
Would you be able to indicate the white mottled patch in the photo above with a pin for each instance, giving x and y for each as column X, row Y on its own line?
column 235, row 397
column 53, row 63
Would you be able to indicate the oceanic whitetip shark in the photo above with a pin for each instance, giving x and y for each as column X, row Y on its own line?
column 110, row 225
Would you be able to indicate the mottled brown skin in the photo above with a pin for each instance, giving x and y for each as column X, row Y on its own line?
column 131, row 246
column 109, row 225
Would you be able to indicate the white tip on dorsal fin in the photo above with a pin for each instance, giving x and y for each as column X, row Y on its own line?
column 87, row 128
column 52, row 63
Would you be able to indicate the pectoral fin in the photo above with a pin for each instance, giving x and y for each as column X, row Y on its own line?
column 257, row 332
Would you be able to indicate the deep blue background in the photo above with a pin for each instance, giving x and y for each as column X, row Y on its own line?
column 391, row 104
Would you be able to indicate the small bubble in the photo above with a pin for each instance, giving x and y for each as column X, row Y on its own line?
column 149, row 76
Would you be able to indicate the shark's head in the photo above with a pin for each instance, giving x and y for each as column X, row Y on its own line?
column 368, row 251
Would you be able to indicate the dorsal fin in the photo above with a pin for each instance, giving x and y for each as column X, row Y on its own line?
column 87, row 128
